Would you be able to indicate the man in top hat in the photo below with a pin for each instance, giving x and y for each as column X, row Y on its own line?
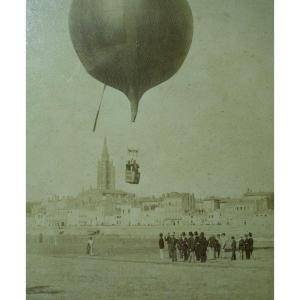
column 227, row 248
column 251, row 242
column 191, row 244
column 223, row 241
column 161, row 245
column 247, row 247
column 217, row 248
column 233, row 248
column 173, row 245
column 242, row 247
column 211, row 247
column 185, row 247
column 168, row 240
column 197, row 245
column 203, row 247
column 180, row 247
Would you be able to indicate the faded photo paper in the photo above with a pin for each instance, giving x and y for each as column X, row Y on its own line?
column 150, row 149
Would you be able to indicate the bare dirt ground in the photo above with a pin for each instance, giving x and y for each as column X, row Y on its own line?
column 130, row 268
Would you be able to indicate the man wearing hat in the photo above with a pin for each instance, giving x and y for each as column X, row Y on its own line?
column 168, row 240
column 161, row 245
column 173, row 246
column 203, row 247
column 191, row 244
column 211, row 247
column 247, row 247
column 185, row 247
column 242, row 247
column 233, row 248
column 197, row 246
column 180, row 247
column 223, row 241
column 227, row 248
column 251, row 242
column 218, row 246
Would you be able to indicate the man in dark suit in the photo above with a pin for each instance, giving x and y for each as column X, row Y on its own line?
column 197, row 245
column 180, row 247
column 203, row 247
column 191, row 244
column 173, row 245
column 168, row 240
column 233, row 248
column 251, row 242
column 161, row 245
column 185, row 247
column 217, row 248
column 247, row 247
column 241, row 247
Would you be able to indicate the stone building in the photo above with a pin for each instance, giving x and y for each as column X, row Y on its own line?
column 264, row 200
column 176, row 205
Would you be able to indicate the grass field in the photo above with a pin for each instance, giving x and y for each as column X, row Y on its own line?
column 130, row 268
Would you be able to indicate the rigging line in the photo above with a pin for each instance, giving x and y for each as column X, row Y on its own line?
column 98, row 111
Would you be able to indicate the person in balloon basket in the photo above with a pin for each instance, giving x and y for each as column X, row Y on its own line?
column 191, row 245
column 247, row 247
column 241, row 247
column 161, row 245
column 233, row 248
column 174, row 247
column 168, row 240
column 135, row 166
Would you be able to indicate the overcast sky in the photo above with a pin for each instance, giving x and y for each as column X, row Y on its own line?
column 208, row 130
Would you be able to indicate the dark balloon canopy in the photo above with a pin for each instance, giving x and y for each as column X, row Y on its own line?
column 131, row 45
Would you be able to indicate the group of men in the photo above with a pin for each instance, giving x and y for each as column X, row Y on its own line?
column 196, row 247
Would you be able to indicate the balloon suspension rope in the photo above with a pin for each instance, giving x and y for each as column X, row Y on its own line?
column 97, row 115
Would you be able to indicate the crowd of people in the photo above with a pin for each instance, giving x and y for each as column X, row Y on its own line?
column 196, row 247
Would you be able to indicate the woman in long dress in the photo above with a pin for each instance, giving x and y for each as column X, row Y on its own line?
column 90, row 246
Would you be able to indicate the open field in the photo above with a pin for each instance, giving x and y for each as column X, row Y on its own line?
column 130, row 268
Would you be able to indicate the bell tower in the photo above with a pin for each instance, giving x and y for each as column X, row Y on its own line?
column 105, row 171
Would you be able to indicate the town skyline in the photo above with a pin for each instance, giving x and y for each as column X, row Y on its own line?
column 105, row 154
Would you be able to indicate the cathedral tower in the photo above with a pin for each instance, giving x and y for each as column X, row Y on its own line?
column 106, row 171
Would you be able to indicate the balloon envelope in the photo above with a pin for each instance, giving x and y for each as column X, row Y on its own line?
column 131, row 45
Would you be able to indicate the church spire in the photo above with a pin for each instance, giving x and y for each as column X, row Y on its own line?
column 105, row 155
column 105, row 171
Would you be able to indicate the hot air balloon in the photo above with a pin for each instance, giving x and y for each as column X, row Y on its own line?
column 131, row 45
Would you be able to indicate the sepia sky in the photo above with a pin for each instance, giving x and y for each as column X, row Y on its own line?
column 208, row 130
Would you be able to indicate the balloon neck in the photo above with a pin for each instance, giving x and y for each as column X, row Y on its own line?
column 134, row 104
column 134, row 109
